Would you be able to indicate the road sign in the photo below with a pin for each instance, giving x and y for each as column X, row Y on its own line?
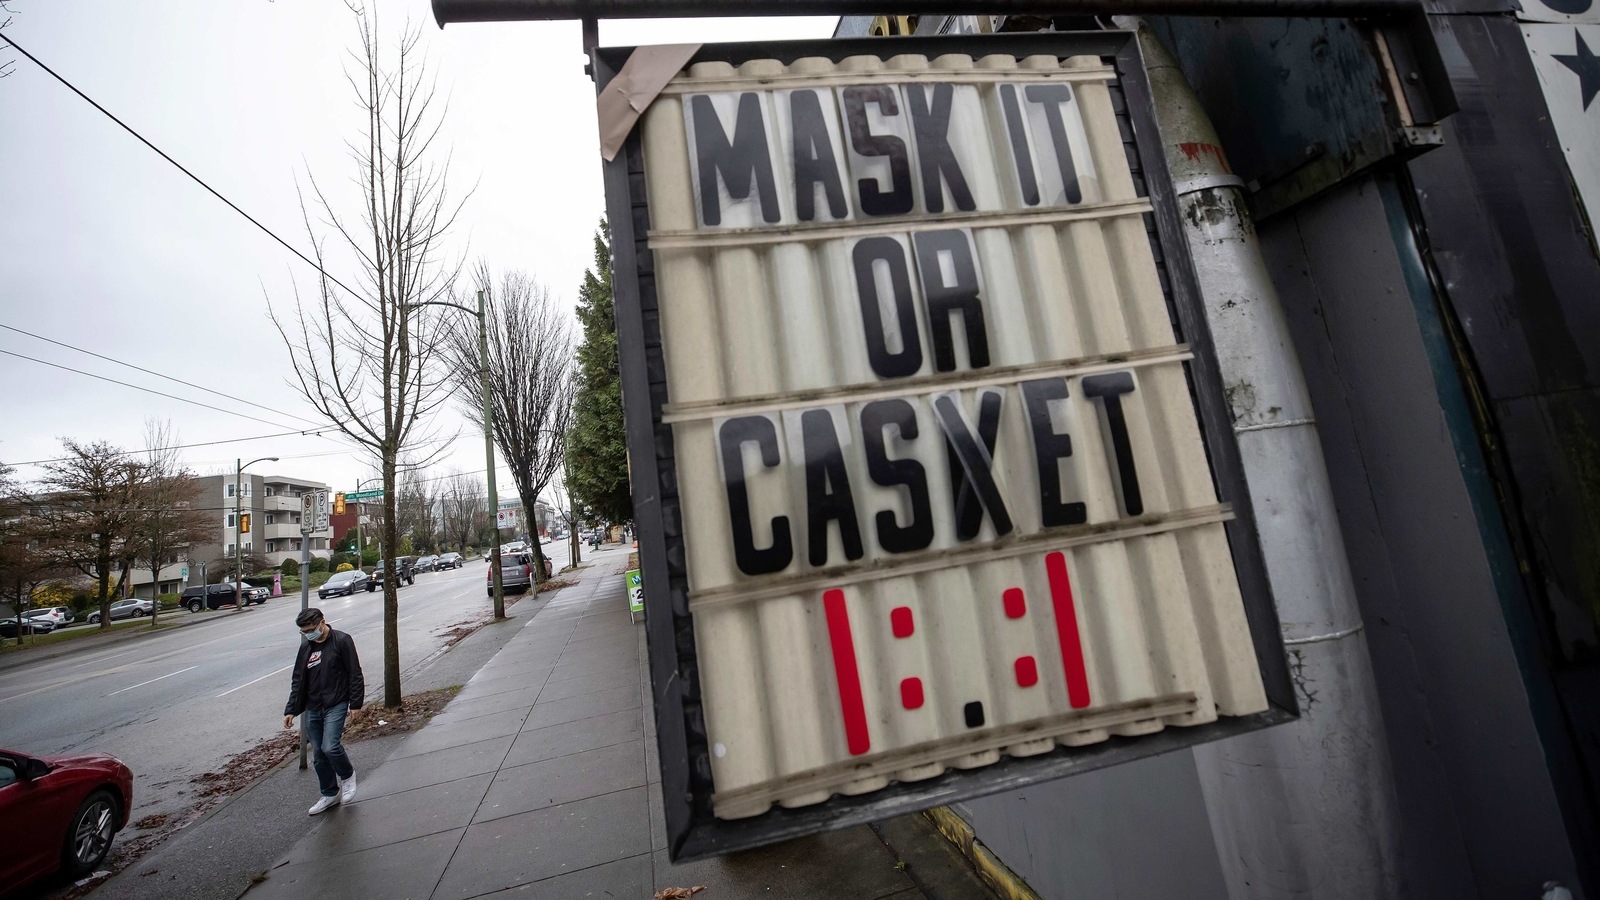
column 505, row 518
column 308, row 513
column 635, row 593
column 937, row 493
column 354, row 496
column 324, row 509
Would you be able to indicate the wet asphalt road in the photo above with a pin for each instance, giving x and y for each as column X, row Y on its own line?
column 179, row 703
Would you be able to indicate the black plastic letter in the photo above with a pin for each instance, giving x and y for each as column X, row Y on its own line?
column 909, row 359
column 1109, row 389
column 828, row 496
column 893, row 537
column 1026, row 180
column 814, row 162
column 736, row 162
column 1050, row 446
column 971, row 464
column 1051, row 97
column 957, row 298
column 732, row 436
column 930, row 123
column 874, row 200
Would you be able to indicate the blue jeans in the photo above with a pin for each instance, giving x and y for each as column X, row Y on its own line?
column 325, row 731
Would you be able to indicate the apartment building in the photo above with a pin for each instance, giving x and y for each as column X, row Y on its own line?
column 273, row 504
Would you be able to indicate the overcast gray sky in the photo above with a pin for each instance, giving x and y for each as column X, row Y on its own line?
column 105, row 246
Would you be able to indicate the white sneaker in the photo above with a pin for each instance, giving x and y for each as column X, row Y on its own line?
column 348, row 792
column 324, row 804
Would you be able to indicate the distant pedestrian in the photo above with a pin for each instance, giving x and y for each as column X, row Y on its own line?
column 327, row 686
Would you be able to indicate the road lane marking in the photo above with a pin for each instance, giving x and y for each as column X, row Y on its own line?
column 253, row 681
column 151, row 681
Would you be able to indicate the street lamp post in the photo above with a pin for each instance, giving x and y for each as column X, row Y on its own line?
column 488, row 439
column 238, row 536
column 360, row 556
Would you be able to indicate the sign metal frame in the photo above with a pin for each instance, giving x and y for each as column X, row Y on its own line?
column 692, row 830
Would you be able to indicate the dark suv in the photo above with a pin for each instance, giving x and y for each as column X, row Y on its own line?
column 211, row 596
column 405, row 565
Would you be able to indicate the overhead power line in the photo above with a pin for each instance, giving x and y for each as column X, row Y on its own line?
column 195, row 178
column 141, row 388
column 119, row 362
column 259, row 437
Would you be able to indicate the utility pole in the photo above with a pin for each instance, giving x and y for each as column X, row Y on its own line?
column 488, row 441
column 308, row 524
column 238, row 521
column 488, row 453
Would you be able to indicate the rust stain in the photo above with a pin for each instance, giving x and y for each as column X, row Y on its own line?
column 1195, row 149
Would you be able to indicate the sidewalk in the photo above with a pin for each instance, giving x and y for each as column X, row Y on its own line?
column 540, row 778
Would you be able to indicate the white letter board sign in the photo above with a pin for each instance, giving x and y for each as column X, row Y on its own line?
column 935, row 487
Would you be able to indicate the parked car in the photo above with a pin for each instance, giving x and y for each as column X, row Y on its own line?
column 124, row 609
column 404, row 565
column 58, row 615
column 253, row 593
column 426, row 563
column 8, row 627
column 343, row 583
column 516, row 573
column 66, row 809
column 451, row 560
column 210, row 596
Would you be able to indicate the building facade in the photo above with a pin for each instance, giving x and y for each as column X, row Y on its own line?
column 272, row 503
column 1437, row 280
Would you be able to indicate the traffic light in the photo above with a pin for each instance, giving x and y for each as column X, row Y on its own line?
column 244, row 524
column 338, row 504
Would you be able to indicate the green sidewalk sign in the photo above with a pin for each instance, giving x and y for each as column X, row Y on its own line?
column 635, row 593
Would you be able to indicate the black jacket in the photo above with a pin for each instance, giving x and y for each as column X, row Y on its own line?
column 338, row 652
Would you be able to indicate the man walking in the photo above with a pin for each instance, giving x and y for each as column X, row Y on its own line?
column 327, row 685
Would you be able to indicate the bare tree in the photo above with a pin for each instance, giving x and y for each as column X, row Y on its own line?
column 7, row 14
column 530, row 381
column 463, row 498
column 368, row 359
column 169, row 520
column 24, row 565
column 418, row 509
column 222, row 568
column 86, row 513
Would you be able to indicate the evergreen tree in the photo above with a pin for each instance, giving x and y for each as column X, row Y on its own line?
column 597, row 446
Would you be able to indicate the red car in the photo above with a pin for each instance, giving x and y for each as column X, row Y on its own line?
column 72, row 806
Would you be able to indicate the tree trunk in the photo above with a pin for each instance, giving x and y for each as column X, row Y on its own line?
column 103, row 582
column 155, row 592
column 391, row 587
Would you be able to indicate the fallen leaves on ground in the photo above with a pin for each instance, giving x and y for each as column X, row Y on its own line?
column 678, row 893
column 414, row 711
column 242, row 769
column 555, row 584
column 459, row 632
column 245, row 767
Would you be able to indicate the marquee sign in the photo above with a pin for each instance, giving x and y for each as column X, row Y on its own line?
column 936, row 493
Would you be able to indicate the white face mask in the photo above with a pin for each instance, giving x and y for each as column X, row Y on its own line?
column 310, row 636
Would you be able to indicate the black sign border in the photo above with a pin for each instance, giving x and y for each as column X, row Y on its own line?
column 686, row 780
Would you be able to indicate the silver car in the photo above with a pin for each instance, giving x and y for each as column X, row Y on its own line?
column 124, row 609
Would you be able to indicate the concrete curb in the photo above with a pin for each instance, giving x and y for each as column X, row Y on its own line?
column 996, row 874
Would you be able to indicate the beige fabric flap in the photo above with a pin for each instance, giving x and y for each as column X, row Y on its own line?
column 629, row 94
